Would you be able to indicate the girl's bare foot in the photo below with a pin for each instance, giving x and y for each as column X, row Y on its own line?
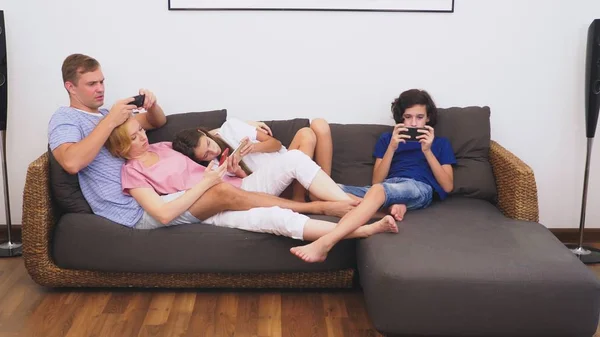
column 313, row 252
column 398, row 211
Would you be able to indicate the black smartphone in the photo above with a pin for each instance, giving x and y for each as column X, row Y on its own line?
column 138, row 100
column 413, row 133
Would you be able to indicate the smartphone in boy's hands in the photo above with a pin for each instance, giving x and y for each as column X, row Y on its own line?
column 413, row 133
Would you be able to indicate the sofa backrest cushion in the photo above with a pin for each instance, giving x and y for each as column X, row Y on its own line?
column 467, row 129
column 285, row 130
column 353, row 146
column 65, row 189
column 177, row 122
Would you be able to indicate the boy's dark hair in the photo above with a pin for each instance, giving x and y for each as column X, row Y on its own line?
column 186, row 140
column 411, row 98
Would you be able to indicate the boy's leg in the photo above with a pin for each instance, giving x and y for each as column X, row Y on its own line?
column 317, row 250
column 398, row 211
column 407, row 194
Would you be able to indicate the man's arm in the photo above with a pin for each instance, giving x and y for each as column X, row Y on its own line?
column 155, row 117
column 75, row 156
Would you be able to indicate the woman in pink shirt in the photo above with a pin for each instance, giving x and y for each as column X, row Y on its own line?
column 166, row 183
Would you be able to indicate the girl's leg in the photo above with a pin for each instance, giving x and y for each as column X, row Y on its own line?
column 412, row 193
column 317, row 144
column 294, row 165
column 314, row 229
column 317, row 250
column 305, row 141
column 324, row 147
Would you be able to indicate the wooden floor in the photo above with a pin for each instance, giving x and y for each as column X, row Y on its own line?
column 28, row 310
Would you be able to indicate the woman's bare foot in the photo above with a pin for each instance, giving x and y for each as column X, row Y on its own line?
column 313, row 252
column 387, row 224
column 339, row 208
column 398, row 211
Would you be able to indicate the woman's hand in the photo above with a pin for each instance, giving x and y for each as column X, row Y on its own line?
column 426, row 138
column 214, row 176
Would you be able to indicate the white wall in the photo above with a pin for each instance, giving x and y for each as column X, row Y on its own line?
column 525, row 59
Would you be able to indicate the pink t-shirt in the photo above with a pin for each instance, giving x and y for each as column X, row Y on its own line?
column 173, row 172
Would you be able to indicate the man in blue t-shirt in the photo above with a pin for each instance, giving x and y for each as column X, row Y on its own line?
column 407, row 174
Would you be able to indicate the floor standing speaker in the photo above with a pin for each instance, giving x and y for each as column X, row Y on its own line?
column 592, row 108
column 9, row 248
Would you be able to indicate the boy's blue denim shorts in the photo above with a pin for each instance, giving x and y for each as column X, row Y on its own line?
column 412, row 193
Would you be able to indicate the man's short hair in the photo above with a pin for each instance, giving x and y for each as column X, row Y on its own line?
column 77, row 64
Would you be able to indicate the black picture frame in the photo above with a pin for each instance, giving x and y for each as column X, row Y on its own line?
column 179, row 5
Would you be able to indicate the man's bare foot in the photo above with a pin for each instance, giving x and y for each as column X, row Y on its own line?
column 339, row 208
column 312, row 252
column 387, row 224
column 398, row 211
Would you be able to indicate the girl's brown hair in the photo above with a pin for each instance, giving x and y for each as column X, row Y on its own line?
column 186, row 140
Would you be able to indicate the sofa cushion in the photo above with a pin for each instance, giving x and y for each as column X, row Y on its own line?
column 285, row 130
column 65, row 189
column 91, row 242
column 353, row 146
column 474, row 272
column 468, row 130
column 177, row 122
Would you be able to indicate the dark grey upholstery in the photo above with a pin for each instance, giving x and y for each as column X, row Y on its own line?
column 460, row 268
column 85, row 241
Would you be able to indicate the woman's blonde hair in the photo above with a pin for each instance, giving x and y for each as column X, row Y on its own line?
column 119, row 141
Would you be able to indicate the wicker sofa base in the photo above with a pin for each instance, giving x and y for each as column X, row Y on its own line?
column 56, row 277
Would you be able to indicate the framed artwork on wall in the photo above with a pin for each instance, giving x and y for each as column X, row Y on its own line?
column 431, row 6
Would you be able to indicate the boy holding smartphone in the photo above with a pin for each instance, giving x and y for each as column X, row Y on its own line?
column 408, row 173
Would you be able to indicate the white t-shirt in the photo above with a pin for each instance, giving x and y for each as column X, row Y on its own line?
column 234, row 130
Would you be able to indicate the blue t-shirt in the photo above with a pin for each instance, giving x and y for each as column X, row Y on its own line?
column 409, row 160
column 100, row 181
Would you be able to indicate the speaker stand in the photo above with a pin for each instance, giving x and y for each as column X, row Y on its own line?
column 10, row 248
column 587, row 255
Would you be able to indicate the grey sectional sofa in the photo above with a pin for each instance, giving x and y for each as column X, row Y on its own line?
column 476, row 264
